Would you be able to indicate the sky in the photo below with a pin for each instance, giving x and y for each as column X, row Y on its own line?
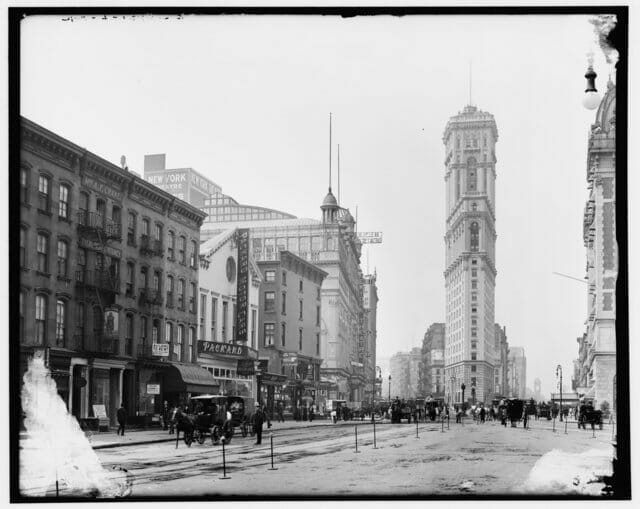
column 245, row 101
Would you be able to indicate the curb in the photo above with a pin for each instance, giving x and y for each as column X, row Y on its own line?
column 161, row 440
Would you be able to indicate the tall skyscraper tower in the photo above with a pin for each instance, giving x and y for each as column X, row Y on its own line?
column 470, row 268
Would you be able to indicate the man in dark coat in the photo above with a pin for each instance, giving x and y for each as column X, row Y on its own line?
column 258, row 421
column 121, row 415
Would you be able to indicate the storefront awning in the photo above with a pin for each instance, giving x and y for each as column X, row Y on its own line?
column 189, row 378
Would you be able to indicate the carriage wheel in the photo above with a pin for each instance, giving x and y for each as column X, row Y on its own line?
column 200, row 437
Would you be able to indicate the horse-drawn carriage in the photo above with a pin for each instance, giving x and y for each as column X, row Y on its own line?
column 214, row 416
column 513, row 409
column 589, row 415
column 402, row 410
column 544, row 411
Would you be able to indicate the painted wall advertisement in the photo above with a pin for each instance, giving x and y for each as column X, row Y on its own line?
column 370, row 237
column 242, row 291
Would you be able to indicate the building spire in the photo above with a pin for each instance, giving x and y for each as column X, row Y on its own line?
column 339, row 173
column 329, row 151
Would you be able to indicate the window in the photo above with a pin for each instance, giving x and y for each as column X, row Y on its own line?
column 116, row 216
column 181, row 290
column 128, row 334
column 318, row 316
column 475, row 236
column 474, row 345
column 131, row 270
column 156, row 281
column 300, row 339
column 474, row 297
column 101, row 209
column 283, row 334
column 131, row 229
column 178, row 346
column 474, row 272
column 168, row 332
column 192, row 298
column 284, row 278
column 182, row 248
column 41, row 319
column 269, row 302
column 194, row 254
column 214, row 317
column 83, row 206
column 63, row 256
column 270, row 276
column 155, row 331
column 225, row 318
column 61, row 322
column 474, row 309
column 144, row 278
column 474, row 285
column 474, row 262
column 23, row 246
column 203, row 314
column 24, row 185
column 43, row 252
column 318, row 344
column 157, row 232
column 44, row 183
column 170, row 291
column 63, row 204
column 234, row 319
column 319, row 295
column 145, row 227
column 473, row 368
column 269, row 330
column 21, row 313
column 192, row 333
column 143, row 329
column 300, row 310
column 172, row 245
column 284, row 303
column 300, row 286
column 474, row 356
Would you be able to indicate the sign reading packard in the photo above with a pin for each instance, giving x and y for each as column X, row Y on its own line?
column 214, row 347
column 242, row 290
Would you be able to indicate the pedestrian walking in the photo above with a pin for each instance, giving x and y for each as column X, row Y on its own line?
column 311, row 412
column 525, row 417
column 258, row 421
column 483, row 414
column 121, row 415
column 165, row 416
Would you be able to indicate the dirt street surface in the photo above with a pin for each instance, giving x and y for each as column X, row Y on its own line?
column 474, row 459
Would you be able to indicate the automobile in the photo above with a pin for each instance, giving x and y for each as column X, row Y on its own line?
column 211, row 416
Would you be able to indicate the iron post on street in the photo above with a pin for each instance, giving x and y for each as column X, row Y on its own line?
column 559, row 369
column 271, row 441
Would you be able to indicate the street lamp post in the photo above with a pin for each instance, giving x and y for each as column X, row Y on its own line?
column 559, row 370
column 389, row 388
column 463, row 387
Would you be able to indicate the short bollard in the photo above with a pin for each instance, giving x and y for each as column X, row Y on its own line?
column 357, row 439
column 448, row 419
column 224, row 462
column 593, row 428
column 271, row 440
column 442, row 421
column 177, row 437
column 374, row 434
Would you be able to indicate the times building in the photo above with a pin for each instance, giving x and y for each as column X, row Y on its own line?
column 470, row 268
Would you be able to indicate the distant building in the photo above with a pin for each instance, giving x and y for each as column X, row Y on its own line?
column 470, row 139
column 517, row 372
column 405, row 374
column 369, row 333
column 596, row 371
column 501, row 379
column 432, row 378
column 537, row 390
column 183, row 183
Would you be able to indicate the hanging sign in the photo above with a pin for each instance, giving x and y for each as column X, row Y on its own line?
column 160, row 349
column 242, row 282
column 153, row 388
column 110, row 323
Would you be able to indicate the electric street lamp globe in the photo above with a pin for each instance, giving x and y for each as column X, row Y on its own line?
column 591, row 100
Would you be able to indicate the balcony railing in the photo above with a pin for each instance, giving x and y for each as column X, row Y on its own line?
column 99, row 343
column 150, row 247
column 98, row 279
column 152, row 297
column 92, row 222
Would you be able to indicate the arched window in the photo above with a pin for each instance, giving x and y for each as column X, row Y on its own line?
column 145, row 228
column 472, row 175
column 63, row 204
column 41, row 319
column 61, row 322
column 63, row 256
column 475, row 236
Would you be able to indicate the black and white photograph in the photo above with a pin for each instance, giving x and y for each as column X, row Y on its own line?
column 323, row 253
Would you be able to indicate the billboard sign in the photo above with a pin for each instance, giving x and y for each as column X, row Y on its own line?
column 174, row 182
column 242, row 282
column 160, row 349
column 370, row 237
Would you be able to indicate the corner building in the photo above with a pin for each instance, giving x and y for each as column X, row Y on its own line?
column 470, row 269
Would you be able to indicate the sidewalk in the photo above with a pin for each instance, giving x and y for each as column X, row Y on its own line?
column 109, row 439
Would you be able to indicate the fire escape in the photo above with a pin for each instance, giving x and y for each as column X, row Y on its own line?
column 150, row 299
column 99, row 286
